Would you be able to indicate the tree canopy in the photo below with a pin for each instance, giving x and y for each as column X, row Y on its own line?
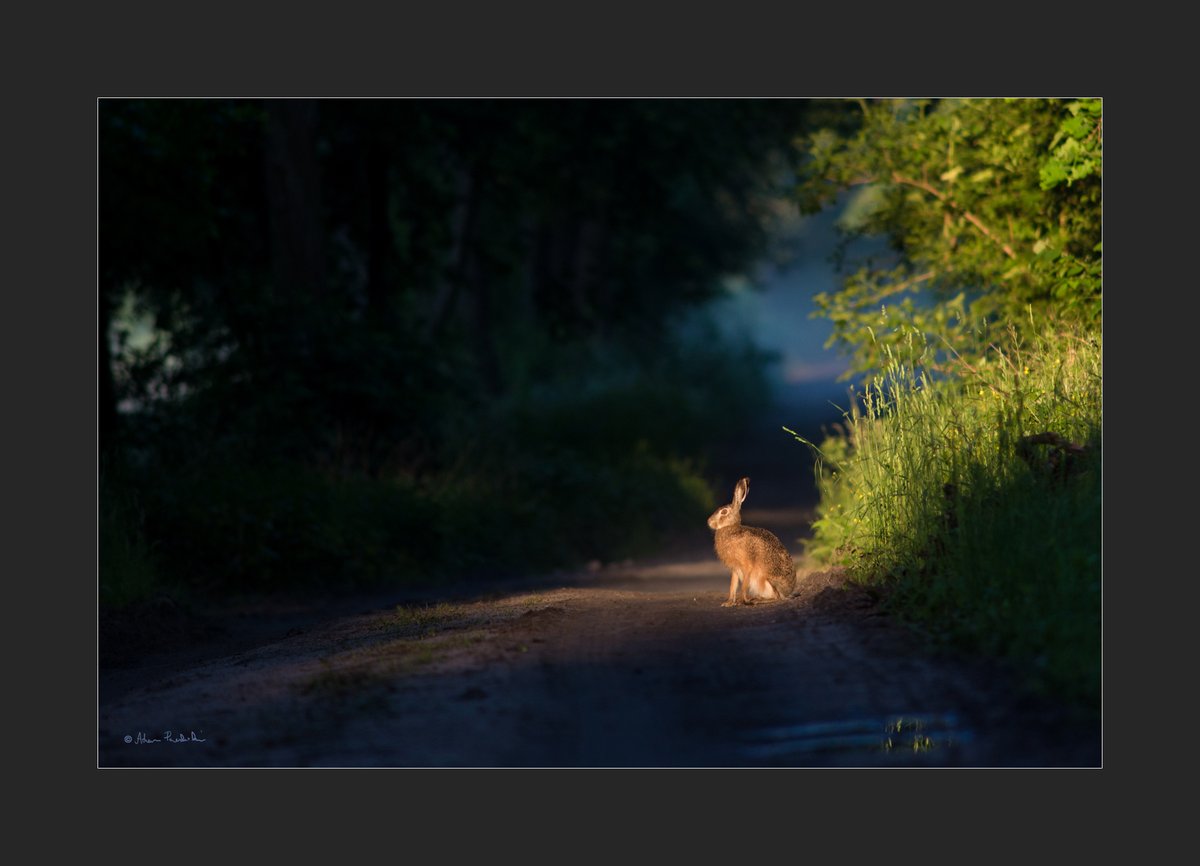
column 991, row 213
column 352, row 339
column 349, row 258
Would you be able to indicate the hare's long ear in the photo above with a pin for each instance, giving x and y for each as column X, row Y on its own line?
column 740, row 491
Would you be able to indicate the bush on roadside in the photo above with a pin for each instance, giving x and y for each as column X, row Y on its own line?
column 977, row 499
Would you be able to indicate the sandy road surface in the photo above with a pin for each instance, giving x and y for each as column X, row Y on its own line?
column 635, row 665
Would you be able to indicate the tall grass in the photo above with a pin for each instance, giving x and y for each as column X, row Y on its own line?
column 976, row 498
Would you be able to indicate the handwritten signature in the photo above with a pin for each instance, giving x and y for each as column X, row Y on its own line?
column 168, row 737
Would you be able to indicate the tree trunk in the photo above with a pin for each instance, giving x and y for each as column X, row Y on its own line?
column 464, row 219
column 486, row 355
column 585, row 265
column 294, row 200
column 377, row 230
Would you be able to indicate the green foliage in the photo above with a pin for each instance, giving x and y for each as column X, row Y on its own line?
column 987, row 536
column 969, row 478
column 576, row 467
column 505, row 505
column 356, row 341
column 992, row 211
column 1076, row 147
column 279, row 525
column 454, row 226
column 693, row 387
column 562, row 507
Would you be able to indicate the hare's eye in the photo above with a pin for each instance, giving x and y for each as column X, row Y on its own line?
column 724, row 510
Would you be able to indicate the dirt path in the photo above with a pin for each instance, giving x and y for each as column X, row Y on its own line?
column 634, row 665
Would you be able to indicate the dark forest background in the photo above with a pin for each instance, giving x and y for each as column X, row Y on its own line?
column 343, row 342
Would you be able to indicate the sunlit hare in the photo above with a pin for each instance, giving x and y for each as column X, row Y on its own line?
column 758, row 560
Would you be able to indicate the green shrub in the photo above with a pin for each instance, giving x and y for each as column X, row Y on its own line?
column 562, row 506
column 283, row 525
column 978, row 499
column 508, row 501
column 598, row 455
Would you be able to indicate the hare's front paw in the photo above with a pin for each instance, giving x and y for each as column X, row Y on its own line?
column 730, row 603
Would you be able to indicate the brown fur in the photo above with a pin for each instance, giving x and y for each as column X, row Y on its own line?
column 761, row 569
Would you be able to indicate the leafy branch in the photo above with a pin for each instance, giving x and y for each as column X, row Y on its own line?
column 1030, row 244
column 949, row 202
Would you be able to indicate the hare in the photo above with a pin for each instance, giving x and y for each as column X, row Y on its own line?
column 758, row 560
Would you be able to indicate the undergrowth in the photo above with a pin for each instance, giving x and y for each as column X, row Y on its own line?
column 976, row 498
column 600, row 463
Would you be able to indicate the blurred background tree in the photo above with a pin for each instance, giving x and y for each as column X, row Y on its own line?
column 336, row 335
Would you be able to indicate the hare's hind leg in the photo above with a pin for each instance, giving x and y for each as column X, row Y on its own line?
column 735, row 577
column 759, row 589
